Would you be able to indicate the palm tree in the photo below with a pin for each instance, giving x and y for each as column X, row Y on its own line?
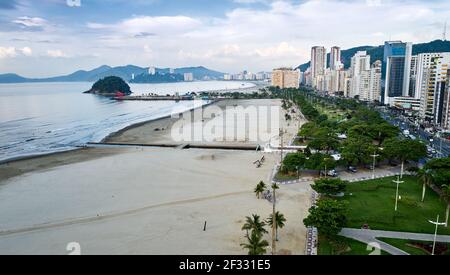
column 446, row 191
column 426, row 177
column 279, row 222
column 274, row 199
column 256, row 245
column 259, row 189
column 254, row 224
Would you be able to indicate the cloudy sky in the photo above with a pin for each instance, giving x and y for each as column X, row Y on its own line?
column 54, row 37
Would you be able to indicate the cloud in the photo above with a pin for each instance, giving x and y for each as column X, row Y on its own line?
column 257, row 35
column 149, row 26
column 11, row 52
column 27, row 51
column 56, row 54
column 7, row 52
column 30, row 23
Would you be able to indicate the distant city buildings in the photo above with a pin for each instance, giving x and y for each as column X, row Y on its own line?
column 245, row 75
column 418, row 83
column 286, row 78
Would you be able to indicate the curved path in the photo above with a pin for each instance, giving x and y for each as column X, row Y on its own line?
column 370, row 236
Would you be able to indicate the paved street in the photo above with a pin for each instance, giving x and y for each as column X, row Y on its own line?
column 369, row 236
column 442, row 146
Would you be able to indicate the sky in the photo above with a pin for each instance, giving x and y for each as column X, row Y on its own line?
column 54, row 37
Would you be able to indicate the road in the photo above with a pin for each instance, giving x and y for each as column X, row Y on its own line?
column 442, row 146
column 370, row 236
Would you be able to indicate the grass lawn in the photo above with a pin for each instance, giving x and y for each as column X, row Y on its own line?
column 285, row 177
column 372, row 202
column 343, row 246
column 403, row 245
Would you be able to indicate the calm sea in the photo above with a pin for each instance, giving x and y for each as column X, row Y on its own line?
column 40, row 118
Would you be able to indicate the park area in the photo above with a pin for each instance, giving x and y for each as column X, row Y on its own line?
column 372, row 203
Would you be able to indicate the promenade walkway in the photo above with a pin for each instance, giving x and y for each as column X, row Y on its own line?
column 370, row 237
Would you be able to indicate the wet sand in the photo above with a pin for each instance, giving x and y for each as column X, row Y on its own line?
column 142, row 200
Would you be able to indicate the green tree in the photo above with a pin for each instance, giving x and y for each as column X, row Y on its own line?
column 440, row 170
column 329, row 217
column 110, row 85
column 259, row 189
column 319, row 162
column 255, row 244
column 383, row 131
column 357, row 151
column 329, row 186
column 405, row 150
column 294, row 161
column 280, row 221
column 254, row 224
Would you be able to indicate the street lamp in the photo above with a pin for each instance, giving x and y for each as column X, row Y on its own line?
column 437, row 223
column 375, row 155
column 398, row 181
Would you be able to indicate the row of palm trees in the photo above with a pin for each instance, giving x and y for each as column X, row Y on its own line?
column 255, row 227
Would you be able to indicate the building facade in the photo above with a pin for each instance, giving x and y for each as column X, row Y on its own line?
column 397, row 61
column 286, row 78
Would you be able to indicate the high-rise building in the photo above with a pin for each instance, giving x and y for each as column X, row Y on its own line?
column 171, row 71
column 434, row 88
column 286, row 78
column 397, row 62
column 360, row 65
column 318, row 65
column 152, row 71
column 335, row 58
column 446, row 105
column 375, row 82
column 188, row 77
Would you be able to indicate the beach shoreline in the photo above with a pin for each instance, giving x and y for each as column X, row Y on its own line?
column 142, row 200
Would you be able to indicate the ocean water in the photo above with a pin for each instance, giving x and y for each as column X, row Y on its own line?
column 40, row 118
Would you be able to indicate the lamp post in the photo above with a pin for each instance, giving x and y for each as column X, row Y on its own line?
column 437, row 223
column 375, row 155
column 398, row 181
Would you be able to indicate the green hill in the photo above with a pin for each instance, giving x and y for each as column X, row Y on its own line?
column 109, row 86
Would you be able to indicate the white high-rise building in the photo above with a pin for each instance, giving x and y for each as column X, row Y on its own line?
column 152, row 71
column 171, row 71
column 360, row 64
column 318, row 66
column 335, row 58
column 188, row 77
column 432, row 78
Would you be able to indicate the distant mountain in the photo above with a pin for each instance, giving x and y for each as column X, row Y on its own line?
column 377, row 53
column 124, row 72
column 12, row 78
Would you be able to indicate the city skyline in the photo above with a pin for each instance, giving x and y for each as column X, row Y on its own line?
column 54, row 38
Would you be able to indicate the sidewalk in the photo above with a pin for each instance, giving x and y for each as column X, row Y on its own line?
column 370, row 237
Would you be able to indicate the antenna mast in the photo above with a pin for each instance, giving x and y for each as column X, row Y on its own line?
column 444, row 34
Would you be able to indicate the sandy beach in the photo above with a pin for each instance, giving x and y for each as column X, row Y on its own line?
column 135, row 200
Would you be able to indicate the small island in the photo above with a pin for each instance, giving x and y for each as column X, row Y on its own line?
column 110, row 86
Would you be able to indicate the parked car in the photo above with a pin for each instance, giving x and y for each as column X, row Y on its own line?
column 332, row 173
column 352, row 169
